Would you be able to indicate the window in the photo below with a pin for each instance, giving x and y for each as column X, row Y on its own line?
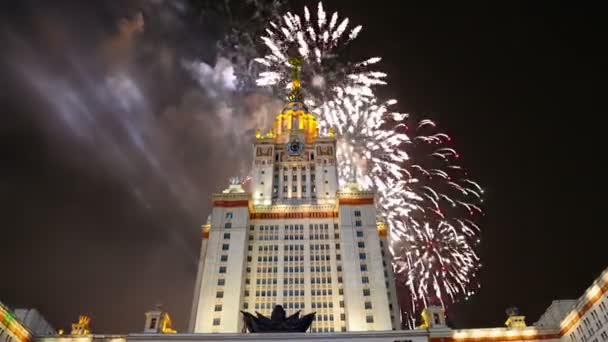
column 303, row 178
column 361, row 244
column 362, row 256
column 294, row 188
column 369, row 319
column 284, row 188
column 294, row 178
column 368, row 305
column 358, row 223
column 224, row 257
column 227, row 236
column 338, row 257
column 312, row 176
column 364, row 268
column 218, row 308
column 222, row 269
column 229, row 215
column 219, row 294
column 216, row 321
column 221, row 282
column 285, row 178
column 366, row 292
column 365, row 280
column 303, row 188
column 359, row 233
column 251, row 227
column 225, row 247
column 152, row 323
column 228, row 225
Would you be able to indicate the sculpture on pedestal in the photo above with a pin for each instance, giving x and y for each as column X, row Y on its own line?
column 278, row 321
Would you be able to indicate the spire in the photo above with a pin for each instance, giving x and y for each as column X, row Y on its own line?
column 295, row 95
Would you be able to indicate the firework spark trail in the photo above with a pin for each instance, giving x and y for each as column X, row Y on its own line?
column 318, row 42
column 423, row 194
column 428, row 204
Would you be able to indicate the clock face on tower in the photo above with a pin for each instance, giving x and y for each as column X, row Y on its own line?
column 294, row 148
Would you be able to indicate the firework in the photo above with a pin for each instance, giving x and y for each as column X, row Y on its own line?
column 422, row 191
column 318, row 41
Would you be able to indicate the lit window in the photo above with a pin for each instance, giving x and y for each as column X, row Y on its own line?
column 216, row 321
column 229, row 215
column 218, row 308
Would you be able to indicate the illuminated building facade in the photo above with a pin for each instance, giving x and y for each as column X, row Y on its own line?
column 582, row 320
column 296, row 239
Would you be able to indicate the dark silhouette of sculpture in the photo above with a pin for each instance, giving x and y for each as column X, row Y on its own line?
column 278, row 321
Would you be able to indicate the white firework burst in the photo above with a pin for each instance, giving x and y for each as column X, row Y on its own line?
column 318, row 42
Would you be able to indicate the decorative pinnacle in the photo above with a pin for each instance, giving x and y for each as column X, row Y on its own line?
column 296, row 63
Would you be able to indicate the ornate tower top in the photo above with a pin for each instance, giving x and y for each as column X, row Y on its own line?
column 295, row 95
column 295, row 118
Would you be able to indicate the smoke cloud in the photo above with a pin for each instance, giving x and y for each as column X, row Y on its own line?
column 139, row 124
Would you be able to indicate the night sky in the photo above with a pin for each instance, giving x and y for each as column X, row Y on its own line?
column 105, row 181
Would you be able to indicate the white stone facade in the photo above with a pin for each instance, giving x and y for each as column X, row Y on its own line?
column 296, row 240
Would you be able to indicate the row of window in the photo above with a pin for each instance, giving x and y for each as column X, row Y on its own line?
column 294, row 178
column 294, row 188
column 295, row 168
column 293, row 280
column 292, row 293
column 320, row 269
column 321, row 292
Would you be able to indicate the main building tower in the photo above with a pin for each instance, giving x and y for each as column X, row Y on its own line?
column 296, row 239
